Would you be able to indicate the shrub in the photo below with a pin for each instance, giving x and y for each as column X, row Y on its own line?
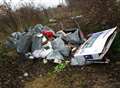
column 22, row 18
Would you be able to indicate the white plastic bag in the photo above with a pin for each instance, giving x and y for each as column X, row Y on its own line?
column 41, row 53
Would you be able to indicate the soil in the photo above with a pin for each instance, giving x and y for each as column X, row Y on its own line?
column 19, row 73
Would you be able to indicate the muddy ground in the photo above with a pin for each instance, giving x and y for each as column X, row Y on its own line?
column 13, row 75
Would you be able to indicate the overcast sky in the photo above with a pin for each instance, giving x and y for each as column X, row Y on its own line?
column 45, row 3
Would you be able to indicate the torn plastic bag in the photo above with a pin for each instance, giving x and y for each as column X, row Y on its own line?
column 24, row 43
column 58, row 44
column 12, row 40
column 74, row 38
column 55, row 55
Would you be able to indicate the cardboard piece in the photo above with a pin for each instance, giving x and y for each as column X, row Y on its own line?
column 94, row 48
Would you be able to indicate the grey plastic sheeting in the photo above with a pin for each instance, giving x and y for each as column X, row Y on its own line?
column 58, row 44
column 12, row 40
column 74, row 38
column 36, row 43
column 24, row 43
column 55, row 54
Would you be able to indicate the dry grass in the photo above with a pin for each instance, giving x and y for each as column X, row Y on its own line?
column 21, row 18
